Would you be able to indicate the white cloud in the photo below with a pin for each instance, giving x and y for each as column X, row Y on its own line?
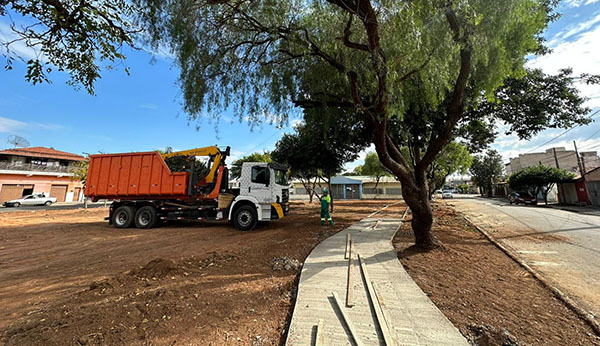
column 576, row 29
column 350, row 166
column 577, row 3
column 8, row 125
column 296, row 122
column 11, row 125
column 18, row 48
column 148, row 106
column 582, row 54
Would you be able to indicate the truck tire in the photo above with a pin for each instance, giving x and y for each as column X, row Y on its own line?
column 146, row 217
column 48, row 203
column 245, row 218
column 123, row 216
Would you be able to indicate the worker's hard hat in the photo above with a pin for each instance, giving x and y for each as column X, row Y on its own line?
column 325, row 191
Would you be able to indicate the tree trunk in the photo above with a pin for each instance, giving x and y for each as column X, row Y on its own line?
column 308, row 189
column 417, row 199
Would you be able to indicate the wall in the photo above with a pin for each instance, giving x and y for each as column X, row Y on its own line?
column 42, row 184
column 567, row 160
column 593, row 188
column 570, row 193
column 593, row 175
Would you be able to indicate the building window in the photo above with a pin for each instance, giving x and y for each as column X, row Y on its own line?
column 372, row 191
column 39, row 162
column 393, row 191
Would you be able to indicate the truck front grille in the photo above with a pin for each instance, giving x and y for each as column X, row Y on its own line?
column 285, row 195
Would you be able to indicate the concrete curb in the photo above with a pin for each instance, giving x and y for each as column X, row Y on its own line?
column 580, row 312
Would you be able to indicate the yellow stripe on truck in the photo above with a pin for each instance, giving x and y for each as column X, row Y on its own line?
column 278, row 209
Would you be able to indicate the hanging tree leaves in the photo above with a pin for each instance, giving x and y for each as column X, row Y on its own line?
column 70, row 36
column 409, row 71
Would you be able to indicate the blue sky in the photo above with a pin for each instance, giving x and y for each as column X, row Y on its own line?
column 143, row 111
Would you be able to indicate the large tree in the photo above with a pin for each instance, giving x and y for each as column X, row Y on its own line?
column 407, row 68
column 71, row 36
column 538, row 179
column 486, row 170
column 319, row 148
column 373, row 168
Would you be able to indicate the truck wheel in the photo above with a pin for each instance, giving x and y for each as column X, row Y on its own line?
column 245, row 218
column 48, row 203
column 123, row 216
column 145, row 217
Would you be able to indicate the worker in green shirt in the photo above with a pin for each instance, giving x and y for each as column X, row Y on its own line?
column 325, row 201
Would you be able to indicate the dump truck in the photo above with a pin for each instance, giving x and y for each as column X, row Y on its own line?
column 145, row 192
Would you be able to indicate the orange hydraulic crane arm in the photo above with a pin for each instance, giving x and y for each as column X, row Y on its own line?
column 217, row 156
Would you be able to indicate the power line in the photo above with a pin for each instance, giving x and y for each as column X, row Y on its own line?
column 263, row 142
column 563, row 133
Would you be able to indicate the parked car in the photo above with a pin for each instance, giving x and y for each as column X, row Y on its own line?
column 36, row 199
column 447, row 194
column 523, row 198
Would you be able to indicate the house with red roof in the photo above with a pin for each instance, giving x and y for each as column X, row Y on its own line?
column 24, row 171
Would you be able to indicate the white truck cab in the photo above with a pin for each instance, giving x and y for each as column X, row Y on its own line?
column 264, row 194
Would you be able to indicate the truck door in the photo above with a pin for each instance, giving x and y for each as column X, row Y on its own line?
column 259, row 188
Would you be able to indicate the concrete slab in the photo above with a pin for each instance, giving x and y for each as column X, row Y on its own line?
column 412, row 318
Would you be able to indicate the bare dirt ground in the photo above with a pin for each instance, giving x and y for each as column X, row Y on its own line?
column 67, row 277
column 489, row 297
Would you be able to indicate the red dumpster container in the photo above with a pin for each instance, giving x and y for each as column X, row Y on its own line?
column 134, row 176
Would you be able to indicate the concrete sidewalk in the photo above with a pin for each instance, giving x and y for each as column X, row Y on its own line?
column 411, row 316
column 588, row 210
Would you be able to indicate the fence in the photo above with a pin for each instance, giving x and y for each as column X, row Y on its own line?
column 33, row 167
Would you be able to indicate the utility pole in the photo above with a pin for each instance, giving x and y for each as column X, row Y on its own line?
column 555, row 158
column 581, row 169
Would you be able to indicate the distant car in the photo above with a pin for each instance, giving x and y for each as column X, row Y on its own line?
column 36, row 199
column 447, row 194
column 523, row 198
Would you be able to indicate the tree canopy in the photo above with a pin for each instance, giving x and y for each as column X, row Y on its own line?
column 319, row 148
column 373, row 168
column 454, row 158
column 236, row 166
column 538, row 179
column 70, row 36
column 406, row 70
column 487, row 170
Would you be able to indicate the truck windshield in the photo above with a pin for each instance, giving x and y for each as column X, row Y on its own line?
column 280, row 177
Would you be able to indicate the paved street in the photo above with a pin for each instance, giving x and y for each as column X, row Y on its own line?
column 56, row 206
column 564, row 246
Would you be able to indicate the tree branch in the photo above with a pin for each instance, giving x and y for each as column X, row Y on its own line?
column 348, row 33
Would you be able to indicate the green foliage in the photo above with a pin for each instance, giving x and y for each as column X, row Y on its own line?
column 372, row 167
column 270, row 52
column 182, row 163
column 236, row 166
column 463, row 188
column 531, row 104
column 405, row 70
column 536, row 179
column 80, row 170
column 322, row 145
column 487, row 170
column 454, row 158
column 71, row 36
